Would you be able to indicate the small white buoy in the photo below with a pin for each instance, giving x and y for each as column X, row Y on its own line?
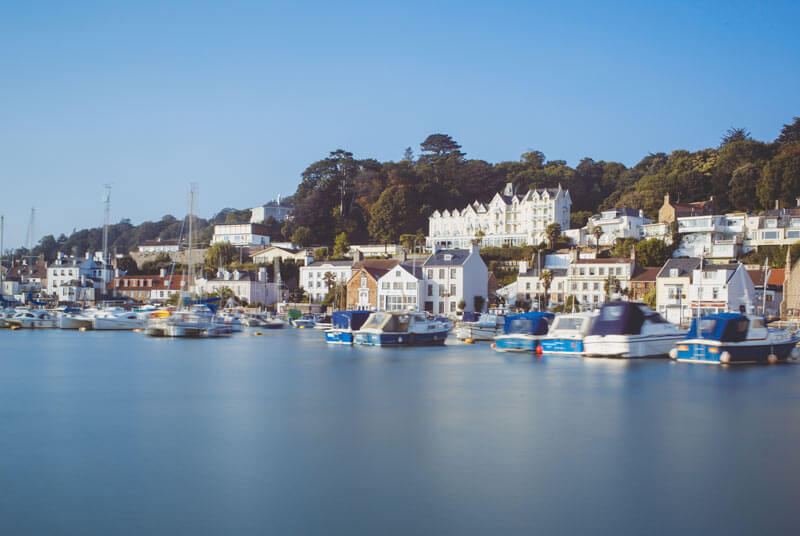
column 725, row 357
column 673, row 353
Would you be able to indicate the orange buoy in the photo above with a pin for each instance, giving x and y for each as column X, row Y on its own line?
column 494, row 345
column 539, row 350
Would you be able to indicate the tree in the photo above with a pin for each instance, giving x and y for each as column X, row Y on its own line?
column 598, row 232
column 611, row 286
column 650, row 298
column 302, row 237
column 438, row 146
column 546, row 277
column 781, row 178
column 735, row 134
column 461, row 305
column 408, row 155
column 392, row 215
column 48, row 247
column 341, row 245
column 128, row 265
column 221, row 254
column 652, row 252
column 742, row 186
column 790, row 133
column 553, row 231
column 329, row 279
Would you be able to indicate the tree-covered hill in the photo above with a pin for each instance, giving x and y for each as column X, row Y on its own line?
column 372, row 201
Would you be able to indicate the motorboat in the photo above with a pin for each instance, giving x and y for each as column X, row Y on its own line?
column 522, row 332
column 345, row 324
column 196, row 322
column 401, row 329
column 6, row 314
column 73, row 318
column 273, row 323
column 483, row 327
column 32, row 319
column 231, row 321
column 305, row 321
column 254, row 320
column 566, row 334
column 728, row 338
column 324, row 322
column 628, row 329
column 118, row 320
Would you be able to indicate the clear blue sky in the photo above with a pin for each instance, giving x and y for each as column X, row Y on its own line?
column 241, row 96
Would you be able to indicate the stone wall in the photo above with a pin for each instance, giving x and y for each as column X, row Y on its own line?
column 179, row 257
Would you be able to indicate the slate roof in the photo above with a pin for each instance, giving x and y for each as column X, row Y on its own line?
column 646, row 274
column 457, row 257
column 684, row 266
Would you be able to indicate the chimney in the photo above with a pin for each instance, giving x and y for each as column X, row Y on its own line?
column 475, row 249
column 523, row 266
column 633, row 253
column 358, row 256
column 777, row 204
column 162, row 272
column 797, row 201
column 508, row 190
column 666, row 199
column 262, row 273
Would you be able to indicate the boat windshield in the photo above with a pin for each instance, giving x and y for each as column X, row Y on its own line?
column 375, row 321
column 520, row 325
column 569, row 323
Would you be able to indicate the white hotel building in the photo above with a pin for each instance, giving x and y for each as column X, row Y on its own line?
column 507, row 219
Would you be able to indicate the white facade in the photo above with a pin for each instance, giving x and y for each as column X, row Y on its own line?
column 312, row 277
column 401, row 290
column 616, row 223
column 159, row 246
column 672, row 289
column 75, row 279
column 507, row 219
column 452, row 275
column 376, row 250
column 246, row 286
column 241, row 234
column 721, row 288
column 273, row 209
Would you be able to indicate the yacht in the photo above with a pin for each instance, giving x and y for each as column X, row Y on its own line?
column 28, row 319
column 273, row 323
column 345, row 324
column 401, row 329
column 483, row 328
column 565, row 336
column 734, row 338
column 627, row 329
column 305, row 321
column 324, row 322
column 230, row 320
column 117, row 319
column 522, row 332
column 4, row 315
column 197, row 322
column 76, row 319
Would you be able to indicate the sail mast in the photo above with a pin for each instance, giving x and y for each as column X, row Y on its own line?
column 2, row 231
column 106, row 216
column 190, row 266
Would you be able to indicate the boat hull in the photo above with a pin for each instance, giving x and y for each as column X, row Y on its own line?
column 116, row 324
column 72, row 322
column 629, row 346
column 339, row 336
column 32, row 323
column 401, row 339
column 712, row 352
column 516, row 343
column 562, row 346
column 478, row 332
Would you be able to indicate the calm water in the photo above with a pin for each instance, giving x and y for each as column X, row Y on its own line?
column 120, row 433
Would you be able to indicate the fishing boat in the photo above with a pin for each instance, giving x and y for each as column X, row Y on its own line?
column 728, row 338
column 482, row 327
column 32, row 319
column 627, row 329
column 566, row 334
column 345, row 325
column 116, row 319
column 401, row 329
column 522, row 332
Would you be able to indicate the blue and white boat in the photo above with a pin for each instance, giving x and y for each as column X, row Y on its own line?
column 565, row 336
column 401, row 329
column 305, row 321
column 483, row 327
column 734, row 338
column 627, row 329
column 345, row 324
column 522, row 332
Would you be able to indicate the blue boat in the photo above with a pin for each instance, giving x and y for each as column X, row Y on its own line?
column 401, row 329
column 345, row 324
column 522, row 332
column 565, row 336
column 734, row 338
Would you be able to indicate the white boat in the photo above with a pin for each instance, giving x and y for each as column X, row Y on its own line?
column 485, row 328
column 305, row 321
column 27, row 319
column 626, row 329
column 117, row 319
column 75, row 320
column 230, row 321
column 254, row 320
column 197, row 322
column 566, row 334
column 274, row 323
column 6, row 314
column 324, row 323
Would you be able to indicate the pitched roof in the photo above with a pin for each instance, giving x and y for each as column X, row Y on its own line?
column 646, row 274
column 610, row 260
column 776, row 276
column 457, row 257
column 380, row 264
column 684, row 266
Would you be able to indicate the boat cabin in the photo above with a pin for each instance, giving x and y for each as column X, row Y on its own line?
column 624, row 318
column 528, row 324
column 728, row 327
column 397, row 322
column 349, row 320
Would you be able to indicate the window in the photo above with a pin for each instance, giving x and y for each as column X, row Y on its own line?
column 582, row 271
column 596, row 285
column 585, row 286
column 363, row 282
column 792, row 234
column 441, row 273
column 528, row 285
column 452, row 273
column 441, row 307
column 591, row 270
column 601, row 271
column 452, row 307
column 673, row 272
column 397, row 273
column 573, row 286
column 430, row 290
column 619, row 271
column 385, row 285
column 452, row 290
column 769, row 235
column 430, row 274
column 715, row 293
column 410, row 285
column 397, row 285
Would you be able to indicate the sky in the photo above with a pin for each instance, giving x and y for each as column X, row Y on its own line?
column 240, row 97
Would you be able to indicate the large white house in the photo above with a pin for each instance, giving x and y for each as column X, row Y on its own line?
column 401, row 289
column 273, row 209
column 312, row 277
column 719, row 288
column 251, row 287
column 75, row 279
column 453, row 275
column 241, row 234
column 507, row 219
column 616, row 223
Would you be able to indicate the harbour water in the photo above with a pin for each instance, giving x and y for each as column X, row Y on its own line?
column 119, row 433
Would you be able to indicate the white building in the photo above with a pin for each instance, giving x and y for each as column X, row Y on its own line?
column 249, row 287
column 672, row 289
column 312, row 277
column 159, row 246
column 75, row 279
column 453, row 275
column 273, row 209
column 530, row 286
column 616, row 223
column 241, row 234
column 719, row 288
column 401, row 289
column 376, row 250
column 507, row 219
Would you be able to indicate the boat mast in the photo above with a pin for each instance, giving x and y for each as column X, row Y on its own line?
column 764, row 287
column 106, row 216
column 2, row 230
column 190, row 266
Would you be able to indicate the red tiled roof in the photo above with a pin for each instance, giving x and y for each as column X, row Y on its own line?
column 776, row 276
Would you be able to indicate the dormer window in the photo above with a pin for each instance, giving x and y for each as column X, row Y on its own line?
column 448, row 257
column 673, row 272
